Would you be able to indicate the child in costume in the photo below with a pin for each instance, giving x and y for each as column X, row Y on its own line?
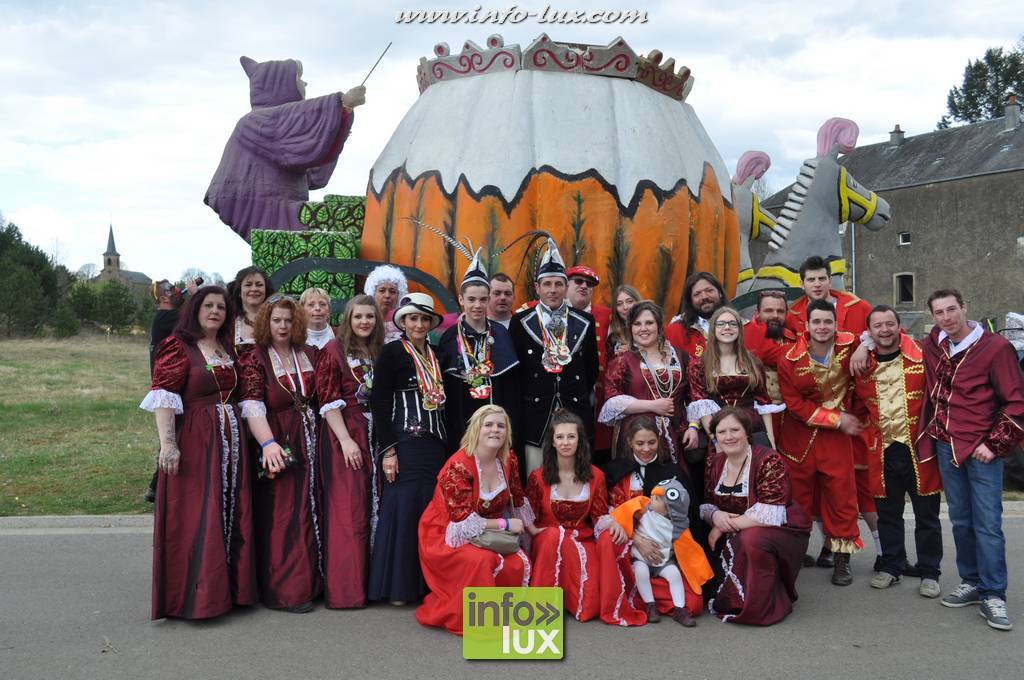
column 664, row 519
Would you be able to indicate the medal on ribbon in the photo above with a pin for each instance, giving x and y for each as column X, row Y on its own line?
column 556, row 354
column 476, row 362
column 428, row 376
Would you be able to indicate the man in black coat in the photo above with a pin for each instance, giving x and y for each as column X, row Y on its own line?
column 558, row 362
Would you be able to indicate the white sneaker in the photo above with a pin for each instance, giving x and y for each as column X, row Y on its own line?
column 929, row 588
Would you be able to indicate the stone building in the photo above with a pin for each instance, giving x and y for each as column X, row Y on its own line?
column 957, row 199
column 137, row 281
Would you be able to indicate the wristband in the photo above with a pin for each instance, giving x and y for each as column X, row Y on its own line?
column 695, row 426
column 503, row 524
column 267, row 443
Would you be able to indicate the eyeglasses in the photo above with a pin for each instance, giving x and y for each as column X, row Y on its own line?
column 584, row 282
column 727, row 324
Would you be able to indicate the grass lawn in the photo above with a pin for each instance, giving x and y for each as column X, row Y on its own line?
column 72, row 437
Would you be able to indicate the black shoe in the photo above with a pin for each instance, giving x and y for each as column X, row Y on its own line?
column 304, row 608
column 150, row 495
column 826, row 558
column 842, row 575
column 807, row 561
column 683, row 618
column 653, row 615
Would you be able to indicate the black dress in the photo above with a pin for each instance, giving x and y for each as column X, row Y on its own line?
column 418, row 436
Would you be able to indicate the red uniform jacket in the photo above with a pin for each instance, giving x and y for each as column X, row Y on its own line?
column 813, row 403
column 851, row 314
column 768, row 351
column 690, row 340
column 891, row 420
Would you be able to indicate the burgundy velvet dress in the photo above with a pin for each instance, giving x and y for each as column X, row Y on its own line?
column 286, row 507
column 627, row 378
column 346, row 494
column 757, row 567
column 204, row 555
column 732, row 390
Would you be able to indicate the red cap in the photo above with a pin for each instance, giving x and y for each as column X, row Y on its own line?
column 583, row 271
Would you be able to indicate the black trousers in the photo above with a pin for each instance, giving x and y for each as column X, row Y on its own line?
column 900, row 481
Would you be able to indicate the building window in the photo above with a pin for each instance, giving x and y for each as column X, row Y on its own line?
column 904, row 238
column 903, row 289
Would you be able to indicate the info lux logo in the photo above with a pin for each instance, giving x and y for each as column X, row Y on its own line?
column 512, row 623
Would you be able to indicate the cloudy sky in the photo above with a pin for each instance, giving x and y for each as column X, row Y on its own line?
column 118, row 111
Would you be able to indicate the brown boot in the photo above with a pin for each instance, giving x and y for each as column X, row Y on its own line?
column 842, row 575
column 683, row 617
column 653, row 615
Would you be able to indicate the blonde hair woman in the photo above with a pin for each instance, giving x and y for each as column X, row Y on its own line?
column 478, row 490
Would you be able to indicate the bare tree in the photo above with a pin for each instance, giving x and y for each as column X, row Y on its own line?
column 87, row 272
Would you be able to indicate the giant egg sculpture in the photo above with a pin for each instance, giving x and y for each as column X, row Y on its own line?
column 594, row 145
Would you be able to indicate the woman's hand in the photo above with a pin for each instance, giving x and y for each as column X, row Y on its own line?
column 353, row 455
column 534, row 529
column 273, row 459
column 617, row 533
column 515, row 525
column 723, row 521
column 169, row 458
column 663, row 406
column 713, row 537
column 390, row 464
column 690, row 438
column 648, row 548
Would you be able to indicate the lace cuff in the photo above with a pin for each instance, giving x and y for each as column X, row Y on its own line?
column 615, row 408
column 525, row 513
column 459, row 534
column 772, row 515
column 707, row 510
column 162, row 399
column 253, row 408
column 867, row 341
column 603, row 524
column 337, row 403
column 768, row 409
column 696, row 410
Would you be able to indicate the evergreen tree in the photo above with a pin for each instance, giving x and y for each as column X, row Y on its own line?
column 116, row 305
column 23, row 308
column 83, row 301
column 986, row 84
column 65, row 323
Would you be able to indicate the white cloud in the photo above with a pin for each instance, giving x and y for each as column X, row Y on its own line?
column 119, row 111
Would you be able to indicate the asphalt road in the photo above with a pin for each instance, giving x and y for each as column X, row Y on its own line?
column 75, row 604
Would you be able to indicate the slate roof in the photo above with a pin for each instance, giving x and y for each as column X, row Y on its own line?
column 955, row 153
column 134, row 277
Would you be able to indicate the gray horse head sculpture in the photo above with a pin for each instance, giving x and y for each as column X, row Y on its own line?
column 755, row 221
column 824, row 196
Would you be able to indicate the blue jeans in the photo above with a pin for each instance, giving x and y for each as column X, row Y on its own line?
column 974, row 492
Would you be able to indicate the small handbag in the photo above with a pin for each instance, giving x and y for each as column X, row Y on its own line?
column 501, row 541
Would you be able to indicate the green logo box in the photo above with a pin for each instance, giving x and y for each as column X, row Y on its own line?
column 512, row 623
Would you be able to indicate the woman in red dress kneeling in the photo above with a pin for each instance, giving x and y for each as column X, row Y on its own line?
column 570, row 498
column 758, row 533
column 478, row 490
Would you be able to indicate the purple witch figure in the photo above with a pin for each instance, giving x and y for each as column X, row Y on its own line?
column 280, row 150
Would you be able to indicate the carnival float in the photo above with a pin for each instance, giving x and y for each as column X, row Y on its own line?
column 594, row 146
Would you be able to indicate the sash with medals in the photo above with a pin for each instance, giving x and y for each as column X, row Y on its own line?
column 428, row 375
column 477, row 363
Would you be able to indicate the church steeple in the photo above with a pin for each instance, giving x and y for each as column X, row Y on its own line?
column 111, row 258
column 111, row 250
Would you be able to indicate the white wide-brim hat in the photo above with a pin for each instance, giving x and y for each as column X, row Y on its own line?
column 417, row 303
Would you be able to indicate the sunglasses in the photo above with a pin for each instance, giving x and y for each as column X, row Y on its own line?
column 584, row 282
